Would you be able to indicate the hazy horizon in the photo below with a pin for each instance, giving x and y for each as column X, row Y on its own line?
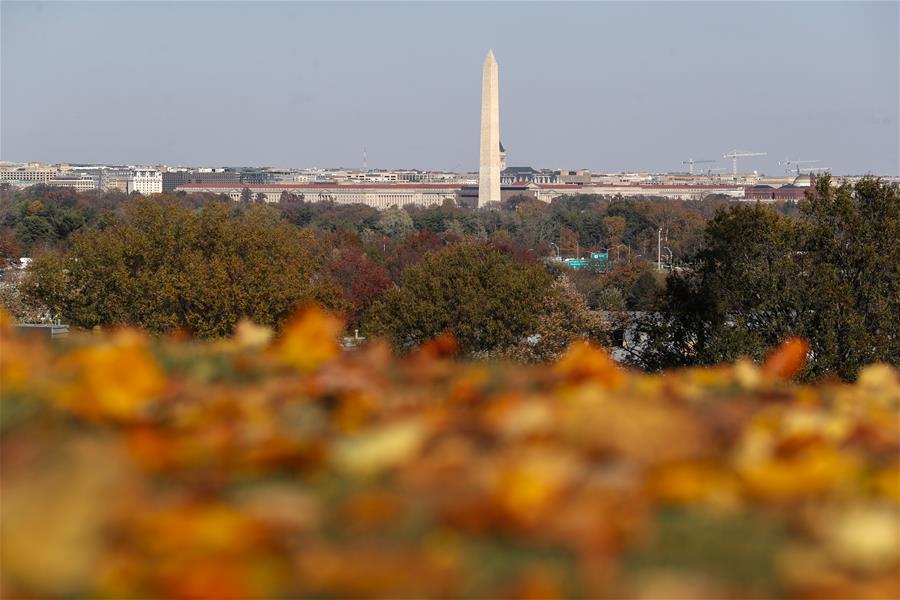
column 605, row 86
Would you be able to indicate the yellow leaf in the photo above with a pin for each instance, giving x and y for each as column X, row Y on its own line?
column 813, row 470
column 865, row 538
column 379, row 448
column 248, row 334
column 309, row 339
column 585, row 361
column 7, row 322
column 690, row 482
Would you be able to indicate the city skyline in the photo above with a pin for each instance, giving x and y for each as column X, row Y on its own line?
column 607, row 87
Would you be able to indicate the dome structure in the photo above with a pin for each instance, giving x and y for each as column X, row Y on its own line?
column 804, row 180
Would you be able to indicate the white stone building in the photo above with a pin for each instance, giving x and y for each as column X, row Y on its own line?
column 376, row 195
column 145, row 181
column 80, row 182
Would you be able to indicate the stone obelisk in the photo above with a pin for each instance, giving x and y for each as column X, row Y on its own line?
column 489, row 168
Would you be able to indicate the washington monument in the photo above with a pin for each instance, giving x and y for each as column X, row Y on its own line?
column 489, row 168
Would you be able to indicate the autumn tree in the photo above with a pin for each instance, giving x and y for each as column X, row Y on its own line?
column 615, row 229
column 564, row 318
column 359, row 279
column 633, row 286
column 410, row 251
column 164, row 267
column 568, row 243
column 10, row 249
column 485, row 299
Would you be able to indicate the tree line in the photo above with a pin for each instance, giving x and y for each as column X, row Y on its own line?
column 830, row 275
column 746, row 276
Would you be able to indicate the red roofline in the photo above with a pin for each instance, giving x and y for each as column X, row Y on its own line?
column 317, row 186
column 436, row 186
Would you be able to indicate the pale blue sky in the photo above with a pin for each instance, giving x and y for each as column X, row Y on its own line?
column 606, row 86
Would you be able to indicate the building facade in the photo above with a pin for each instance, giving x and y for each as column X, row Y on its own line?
column 383, row 196
column 80, row 182
column 379, row 196
column 29, row 176
column 115, row 180
column 145, row 181
column 172, row 179
column 791, row 192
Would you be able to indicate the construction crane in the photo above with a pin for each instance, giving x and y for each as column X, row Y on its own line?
column 796, row 164
column 691, row 162
column 734, row 154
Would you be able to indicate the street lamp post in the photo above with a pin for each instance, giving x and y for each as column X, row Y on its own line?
column 659, row 249
column 659, row 241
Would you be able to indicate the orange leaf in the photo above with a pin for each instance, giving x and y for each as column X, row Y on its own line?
column 787, row 360
column 114, row 379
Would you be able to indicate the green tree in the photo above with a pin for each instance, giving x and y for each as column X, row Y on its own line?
column 395, row 223
column 830, row 276
column 639, row 285
column 742, row 299
column 482, row 297
column 608, row 298
column 852, row 271
column 34, row 230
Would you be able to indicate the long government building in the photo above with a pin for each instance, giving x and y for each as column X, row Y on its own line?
column 430, row 194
